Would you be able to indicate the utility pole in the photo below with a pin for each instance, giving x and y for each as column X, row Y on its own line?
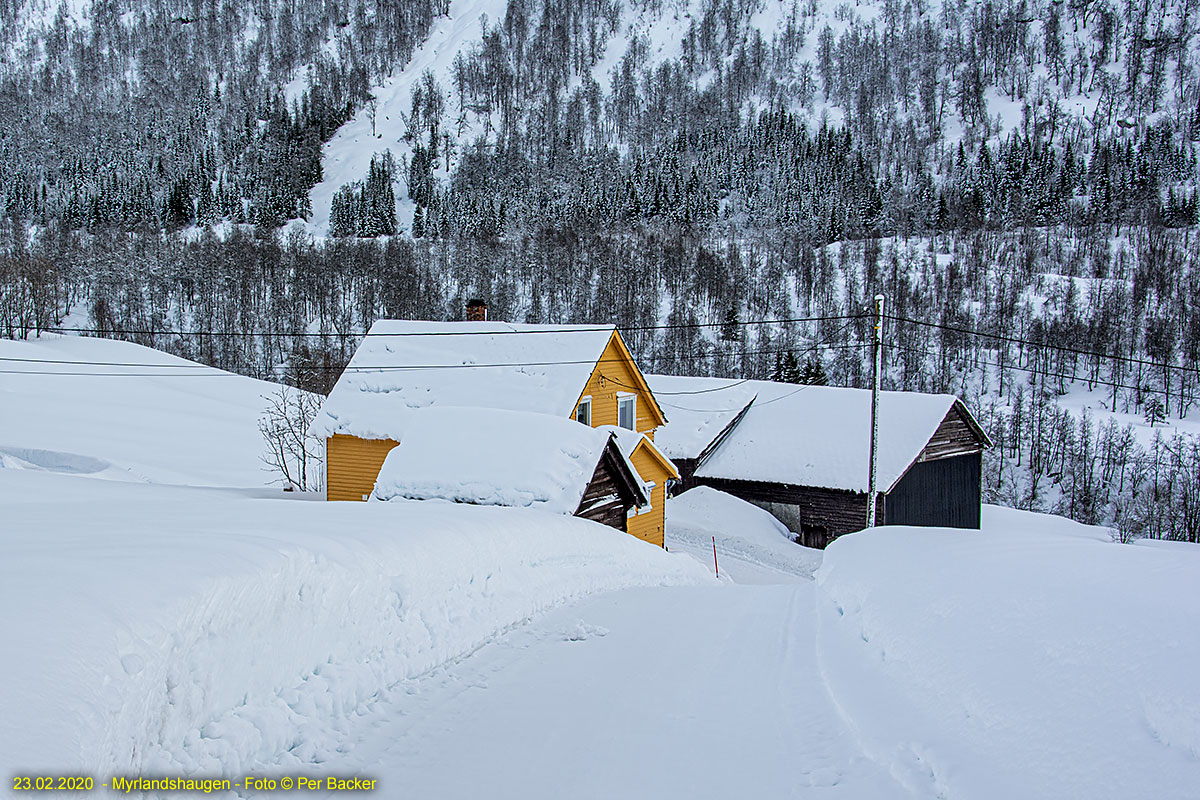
column 875, row 409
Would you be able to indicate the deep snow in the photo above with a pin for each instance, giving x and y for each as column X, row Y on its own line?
column 162, row 629
column 1035, row 658
column 752, row 546
column 126, row 412
column 493, row 457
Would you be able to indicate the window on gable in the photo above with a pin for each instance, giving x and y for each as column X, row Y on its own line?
column 583, row 411
column 627, row 411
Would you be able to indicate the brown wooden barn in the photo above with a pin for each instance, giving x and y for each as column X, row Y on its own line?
column 802, row 452
column 513, row 458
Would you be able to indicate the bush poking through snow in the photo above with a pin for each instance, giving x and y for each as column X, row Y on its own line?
column 292, row 454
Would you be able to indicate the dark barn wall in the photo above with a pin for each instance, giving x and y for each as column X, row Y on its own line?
column 687, row 474
column 605, row 486
column 816, row 515
column 943, row 493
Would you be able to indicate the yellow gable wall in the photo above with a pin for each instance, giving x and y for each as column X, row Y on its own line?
column 352, row 465
column 614, row 375
column 648, row 525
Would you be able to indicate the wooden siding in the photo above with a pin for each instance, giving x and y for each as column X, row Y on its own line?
column 953, row 437
column 352, row 465
column 820, row 515
column 686, row 467
column 940, row 488
column 649, row 525
column 943, row 493
column 605, row 500
column 615, row 373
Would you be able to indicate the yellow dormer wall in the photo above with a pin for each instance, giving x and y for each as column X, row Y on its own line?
column 649, row 524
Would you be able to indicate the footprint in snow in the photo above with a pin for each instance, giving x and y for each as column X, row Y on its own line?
column 581, row 630
column 132, row 663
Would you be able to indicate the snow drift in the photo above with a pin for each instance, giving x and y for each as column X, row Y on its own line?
column 176, row 630
column 1033, row 659
column 121, row 411
column 742, row 530
column 493, row 457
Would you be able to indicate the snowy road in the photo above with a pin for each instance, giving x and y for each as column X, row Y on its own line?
column 674, row 692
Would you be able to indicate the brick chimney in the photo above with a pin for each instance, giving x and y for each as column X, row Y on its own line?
column 476, row 311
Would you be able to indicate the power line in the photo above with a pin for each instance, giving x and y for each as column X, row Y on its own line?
column 549, row 329
column 1046, row 345
column 1063, row 376
column 827, row 344
column 698, row 391
column 353, row 370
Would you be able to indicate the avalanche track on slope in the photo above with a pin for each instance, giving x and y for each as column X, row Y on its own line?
column 348, row 154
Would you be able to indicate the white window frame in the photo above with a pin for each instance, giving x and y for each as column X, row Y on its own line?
column 635, row 511
column 586, row 400
column 632, row 399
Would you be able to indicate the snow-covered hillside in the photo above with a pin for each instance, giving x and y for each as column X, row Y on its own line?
column 381, row 124
column 117, row 410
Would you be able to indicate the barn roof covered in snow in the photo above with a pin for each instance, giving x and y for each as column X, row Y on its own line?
column 503, row 458
column 803, row 435
column 404, row 365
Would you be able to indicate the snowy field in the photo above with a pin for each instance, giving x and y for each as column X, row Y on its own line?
column 120, row 411
column 752, row 546
column 171, row 624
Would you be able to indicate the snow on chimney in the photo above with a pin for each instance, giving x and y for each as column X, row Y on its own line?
column 476, row 311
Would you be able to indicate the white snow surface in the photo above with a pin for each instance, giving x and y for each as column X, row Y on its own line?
column 490, row 457
column 347, row 156
column 1034, row 658
column 122, row 411
column 752, row 546
column 167, row 630
column 402, row 365
column 807, row 435
column 698, row 409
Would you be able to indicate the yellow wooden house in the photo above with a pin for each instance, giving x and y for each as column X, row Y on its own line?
column 583, row 372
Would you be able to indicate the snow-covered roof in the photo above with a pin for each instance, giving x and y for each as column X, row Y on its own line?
column 804, row 435
column 493, row 457
column 412, row 364
column 627, row 442
column 699, row 408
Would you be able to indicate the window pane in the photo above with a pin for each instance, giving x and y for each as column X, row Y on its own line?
column 625, row 412
column 584, row 412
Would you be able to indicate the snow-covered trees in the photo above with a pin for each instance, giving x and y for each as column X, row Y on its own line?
column 367, row 209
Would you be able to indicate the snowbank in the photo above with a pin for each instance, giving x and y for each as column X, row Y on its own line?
column 492, row 457
column 121, row 411
column 1032, row 659
column 742, row 530
column 169, row 630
